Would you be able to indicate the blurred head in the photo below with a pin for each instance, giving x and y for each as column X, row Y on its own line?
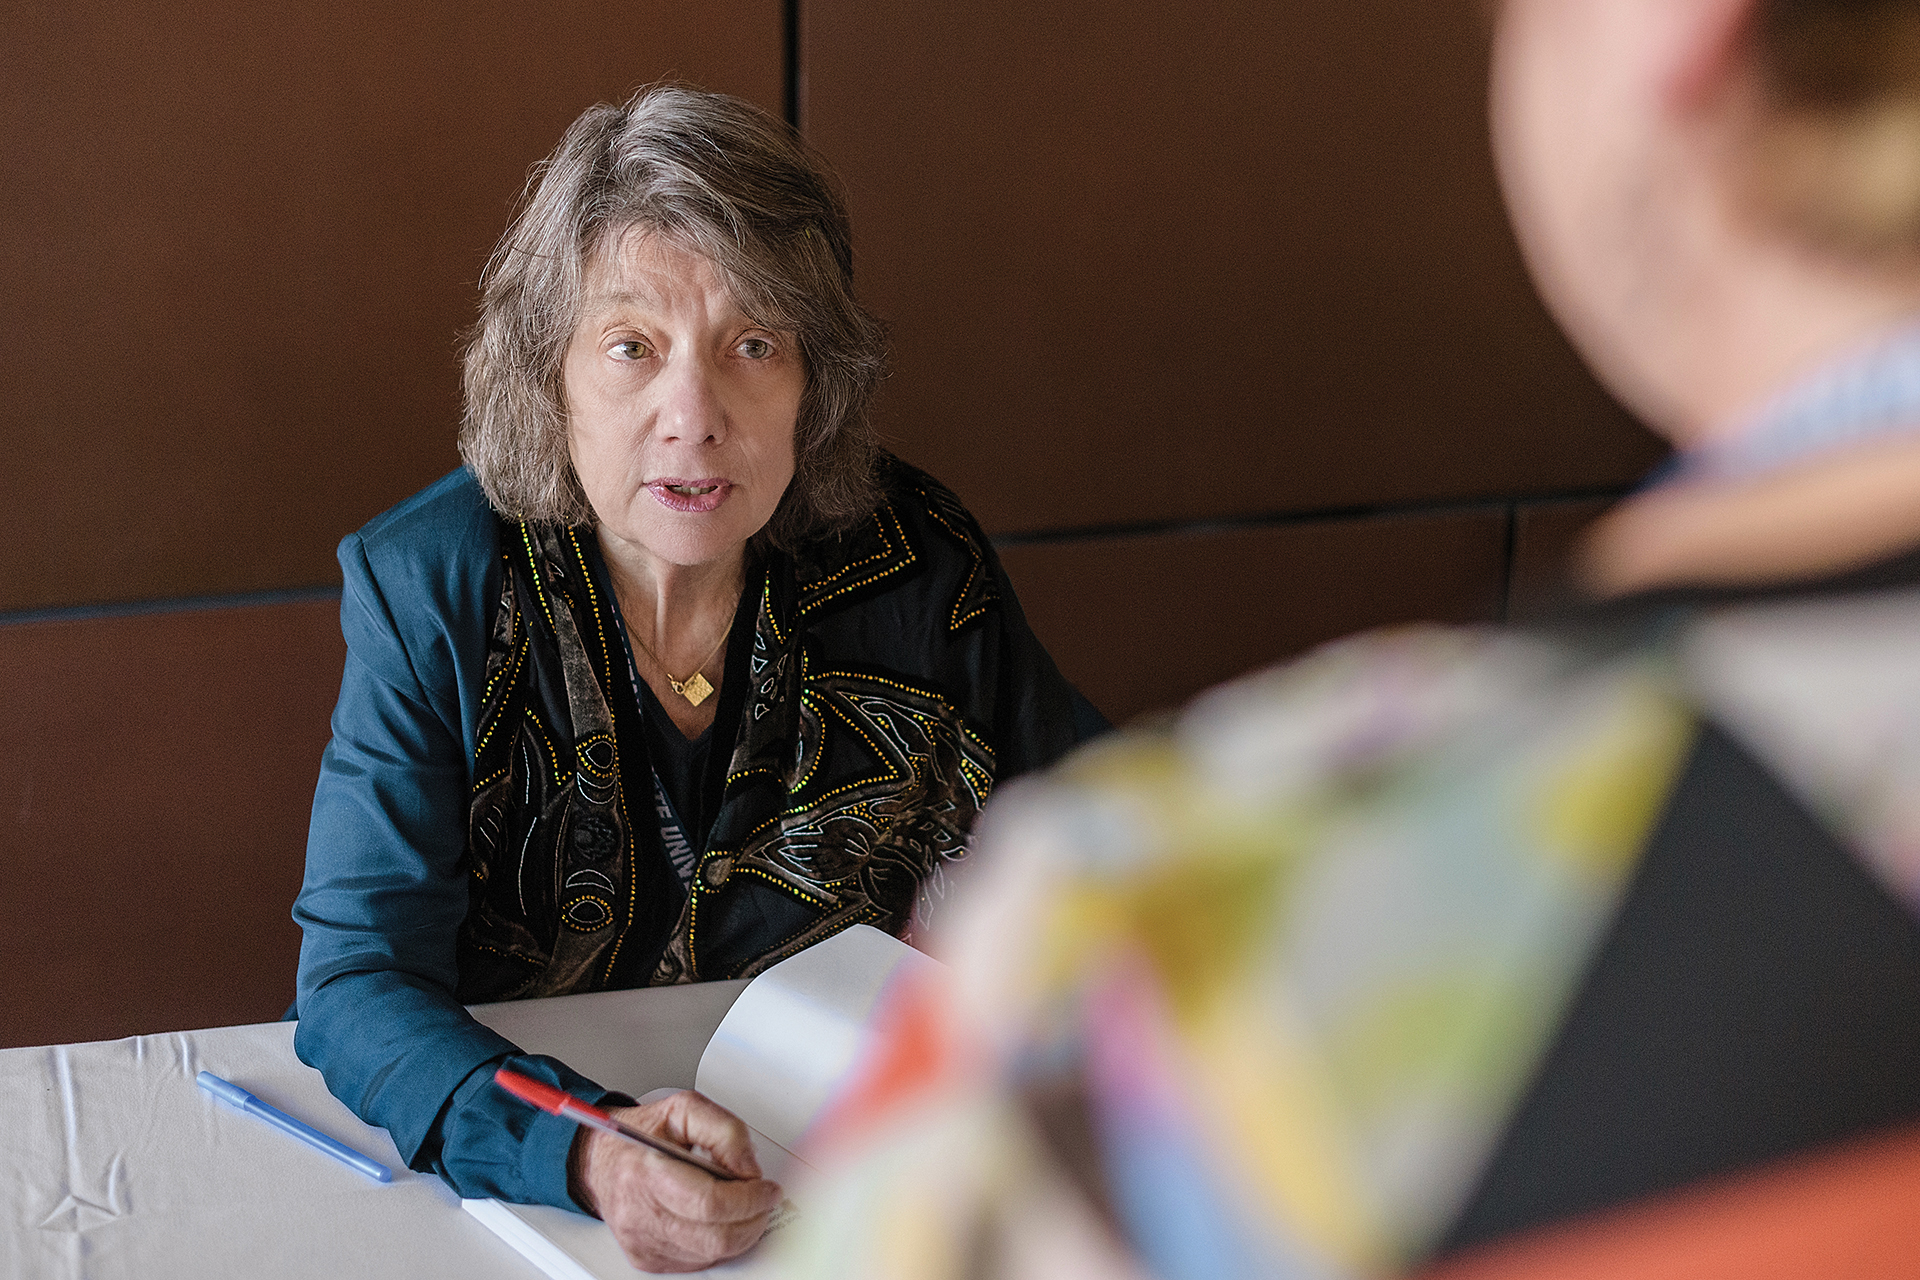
column 1675, row 166
column 707, row 198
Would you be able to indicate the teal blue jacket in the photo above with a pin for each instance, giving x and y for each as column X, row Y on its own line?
column 392, row 892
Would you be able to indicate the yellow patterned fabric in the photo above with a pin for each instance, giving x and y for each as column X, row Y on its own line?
column 1254, row 993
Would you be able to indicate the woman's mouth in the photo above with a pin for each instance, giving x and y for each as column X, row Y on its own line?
column 676, row 494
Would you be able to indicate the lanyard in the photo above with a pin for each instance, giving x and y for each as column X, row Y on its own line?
column 673, row 832
column 1873, row 391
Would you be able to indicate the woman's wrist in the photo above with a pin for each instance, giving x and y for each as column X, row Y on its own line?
column 577, row 1185
column 580, row 1157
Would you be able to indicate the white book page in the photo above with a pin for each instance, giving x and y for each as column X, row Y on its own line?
column 574, row 1246
column 777, row 1061
column 786, row 1048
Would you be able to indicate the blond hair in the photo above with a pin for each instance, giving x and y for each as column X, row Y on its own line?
column 1839, row 153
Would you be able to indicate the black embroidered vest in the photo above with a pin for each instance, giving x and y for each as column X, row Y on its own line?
column 852, row 779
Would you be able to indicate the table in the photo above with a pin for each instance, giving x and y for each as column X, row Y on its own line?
column 113, row 1163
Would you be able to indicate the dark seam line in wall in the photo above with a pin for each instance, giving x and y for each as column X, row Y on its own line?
column 1283, row 519
column 790, row 61
column 176, row 604
column 1045, row 537
column 1510, row 543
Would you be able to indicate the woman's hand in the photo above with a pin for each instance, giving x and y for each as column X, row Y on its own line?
column 666, row 1214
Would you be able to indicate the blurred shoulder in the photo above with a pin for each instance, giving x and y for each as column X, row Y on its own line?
column 1409, row 720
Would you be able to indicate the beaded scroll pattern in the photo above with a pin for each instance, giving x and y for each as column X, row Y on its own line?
column 879, row 779
column 548, row 837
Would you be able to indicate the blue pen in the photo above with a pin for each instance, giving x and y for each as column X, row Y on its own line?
column 240, row 1099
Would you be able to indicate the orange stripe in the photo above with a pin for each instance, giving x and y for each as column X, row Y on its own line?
column 1851, row 1212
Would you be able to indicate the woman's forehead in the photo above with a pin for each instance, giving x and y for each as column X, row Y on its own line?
column 640, row 267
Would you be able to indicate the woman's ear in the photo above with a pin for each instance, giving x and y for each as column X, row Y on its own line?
column 1705, row 45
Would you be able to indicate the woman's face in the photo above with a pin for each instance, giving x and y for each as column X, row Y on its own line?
column 1580, row 134
column 681, row 411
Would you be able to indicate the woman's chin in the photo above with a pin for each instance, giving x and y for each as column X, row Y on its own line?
column 686, row 541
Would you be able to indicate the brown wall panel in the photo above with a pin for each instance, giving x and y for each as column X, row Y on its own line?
column 1143, row 623
column 1546, row 536
column 1150, row 261
column 238, row 242
column 156, row 775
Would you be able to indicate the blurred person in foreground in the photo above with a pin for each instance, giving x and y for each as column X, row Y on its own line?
column 1440, row 935
column 679, row 642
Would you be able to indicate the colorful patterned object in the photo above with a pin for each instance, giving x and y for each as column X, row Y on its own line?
column 1827, row 693
column 1261, row 990
column 1360, row 888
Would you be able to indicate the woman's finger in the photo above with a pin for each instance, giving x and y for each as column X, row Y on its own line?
column 669, row 1216
column 692, row 1120
column 705, row 1243
column 693, row 1196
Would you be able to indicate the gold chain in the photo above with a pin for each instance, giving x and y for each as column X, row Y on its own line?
column 694, row 688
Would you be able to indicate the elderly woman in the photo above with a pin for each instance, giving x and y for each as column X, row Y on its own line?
column 679, row 645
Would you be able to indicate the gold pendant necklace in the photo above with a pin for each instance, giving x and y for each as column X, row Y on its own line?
column 694, row 688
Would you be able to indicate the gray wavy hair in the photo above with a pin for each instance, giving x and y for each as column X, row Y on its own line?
column 723, row 178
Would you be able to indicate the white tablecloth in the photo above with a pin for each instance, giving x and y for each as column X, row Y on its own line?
column 113, row 1163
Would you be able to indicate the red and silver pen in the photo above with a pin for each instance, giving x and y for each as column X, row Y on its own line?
column 562, row 1103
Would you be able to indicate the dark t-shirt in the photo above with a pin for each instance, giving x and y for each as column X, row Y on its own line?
column 686, row 789
column 679, row 770
column 1757, row 995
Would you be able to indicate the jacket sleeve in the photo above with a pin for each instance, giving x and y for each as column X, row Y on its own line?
column 383, row 899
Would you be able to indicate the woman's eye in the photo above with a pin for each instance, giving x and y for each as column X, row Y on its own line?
column 631, row 349
column 755, row 348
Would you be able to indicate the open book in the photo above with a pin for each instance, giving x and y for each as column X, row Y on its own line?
column 778, row 1060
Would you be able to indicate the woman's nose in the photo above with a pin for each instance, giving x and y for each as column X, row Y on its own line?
column 690, row 405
